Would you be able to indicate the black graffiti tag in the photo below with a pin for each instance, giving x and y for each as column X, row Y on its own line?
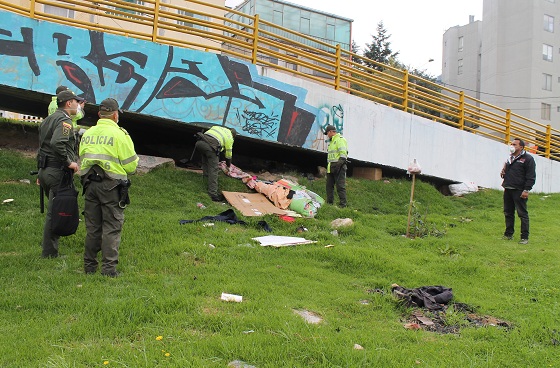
column 21, row 48
column 258, row 123
column 125, row 70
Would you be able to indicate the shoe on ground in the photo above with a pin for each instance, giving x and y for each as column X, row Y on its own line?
column 111, row 274
column 217, row 198
column 507, row 237
column 524, row 241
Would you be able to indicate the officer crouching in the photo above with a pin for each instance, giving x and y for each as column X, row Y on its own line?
column 108, row 157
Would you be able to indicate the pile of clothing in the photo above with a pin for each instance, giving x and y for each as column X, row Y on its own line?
column 283, row 193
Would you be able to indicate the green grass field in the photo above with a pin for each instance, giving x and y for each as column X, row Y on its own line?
column 165, row 308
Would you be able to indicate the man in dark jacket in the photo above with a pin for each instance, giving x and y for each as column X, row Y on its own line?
column 57, row 154
column 519, row 177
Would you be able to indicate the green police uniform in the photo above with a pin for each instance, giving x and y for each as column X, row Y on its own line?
column 336, row 169
column 57, row 150
column 108, row 157
column 215, row 140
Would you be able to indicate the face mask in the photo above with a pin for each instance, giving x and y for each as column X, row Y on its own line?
column 511, row 149
column 79, row 110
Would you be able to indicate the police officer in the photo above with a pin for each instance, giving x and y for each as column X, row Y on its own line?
column 336, row 166
column 57, row 154
column 215, row 140
column 81, row 113
column 108, row 157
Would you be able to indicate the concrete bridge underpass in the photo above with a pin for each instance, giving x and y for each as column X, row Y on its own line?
column 169, row 93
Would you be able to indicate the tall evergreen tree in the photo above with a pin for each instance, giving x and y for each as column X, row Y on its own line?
column 379, row 49
column 356, row 50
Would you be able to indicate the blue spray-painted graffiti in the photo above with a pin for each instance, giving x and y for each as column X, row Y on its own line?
column 185, row 85
column 333, row 115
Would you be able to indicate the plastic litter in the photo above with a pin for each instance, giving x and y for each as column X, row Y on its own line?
column 231, row 298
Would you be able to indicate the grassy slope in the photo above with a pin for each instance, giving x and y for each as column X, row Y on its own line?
column 53, row 315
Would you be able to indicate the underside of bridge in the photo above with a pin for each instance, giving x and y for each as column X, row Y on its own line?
column 168, row 138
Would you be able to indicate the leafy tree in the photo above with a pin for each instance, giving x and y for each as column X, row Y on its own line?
column 379, row 49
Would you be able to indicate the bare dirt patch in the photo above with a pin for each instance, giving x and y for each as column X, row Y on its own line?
column 21, row 138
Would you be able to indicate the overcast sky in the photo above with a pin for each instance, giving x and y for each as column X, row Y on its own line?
column 416, row 27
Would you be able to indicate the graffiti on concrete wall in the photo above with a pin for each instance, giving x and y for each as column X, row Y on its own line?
column 328, row 115
column 333, row 115
column 184, row 85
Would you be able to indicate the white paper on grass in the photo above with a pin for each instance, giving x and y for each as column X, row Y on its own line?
column 281, row 241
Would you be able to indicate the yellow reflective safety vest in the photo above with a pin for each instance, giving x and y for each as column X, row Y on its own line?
column 338, row 148
column 109, row 146
column 224, row 137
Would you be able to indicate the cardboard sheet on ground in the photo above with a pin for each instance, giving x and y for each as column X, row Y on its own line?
column 252, row 204
column 281, row 241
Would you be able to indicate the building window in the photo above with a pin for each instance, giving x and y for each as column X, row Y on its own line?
column 278, row 17
column 55, row 10
column 547, row 52
column 126, row 10
column 558, row 108
column 188, row 23
column 460, row 66
column 548, row 23
column 305, row 25
column 547, row 82
column 461, row 43
column 545, row 111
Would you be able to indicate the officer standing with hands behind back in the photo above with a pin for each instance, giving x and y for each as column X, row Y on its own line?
column 108, row 157
column 56, row 156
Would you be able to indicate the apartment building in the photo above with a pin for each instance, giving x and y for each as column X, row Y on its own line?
column 325, row 27
column 288, row 22
column 510, row 59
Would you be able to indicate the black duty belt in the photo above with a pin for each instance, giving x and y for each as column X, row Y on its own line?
column 95, row 177
column 54, row 163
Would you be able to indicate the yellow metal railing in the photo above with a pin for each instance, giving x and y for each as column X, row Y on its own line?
column 203, row 26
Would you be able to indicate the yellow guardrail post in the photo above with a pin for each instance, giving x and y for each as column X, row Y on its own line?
column 32, row 9
column 337, row 67
column 462, row 110
column 405, row 93
column 508, row 127
column 255, row 39
column 156, row 21
column 384, row 87
column 548, row 141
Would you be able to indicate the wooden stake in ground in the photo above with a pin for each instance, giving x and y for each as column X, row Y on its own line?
column 410, row 206
column 413, row 168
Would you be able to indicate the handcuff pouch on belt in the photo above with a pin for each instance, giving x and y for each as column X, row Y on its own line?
column 123, row 186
